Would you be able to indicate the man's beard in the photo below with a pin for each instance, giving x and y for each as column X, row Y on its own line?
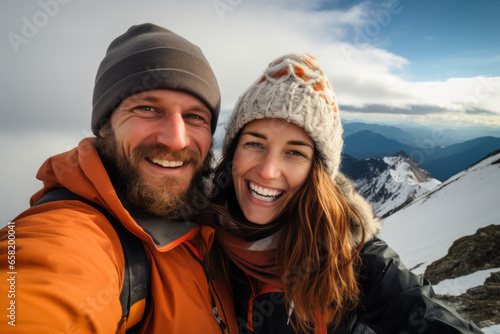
column 166, row 198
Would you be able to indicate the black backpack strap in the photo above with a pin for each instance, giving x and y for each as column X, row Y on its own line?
column 135, row 290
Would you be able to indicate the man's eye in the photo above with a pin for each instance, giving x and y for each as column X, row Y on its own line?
column 145, row 108
column 197, row 119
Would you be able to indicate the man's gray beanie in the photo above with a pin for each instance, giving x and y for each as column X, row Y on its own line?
column 148, row 57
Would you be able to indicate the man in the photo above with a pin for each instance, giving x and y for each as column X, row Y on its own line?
column 155, row 108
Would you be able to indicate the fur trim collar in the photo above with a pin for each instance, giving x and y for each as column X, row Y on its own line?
column 372, row 224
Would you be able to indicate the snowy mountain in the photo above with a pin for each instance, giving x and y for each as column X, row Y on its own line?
column 423, row 231
column 389, row 183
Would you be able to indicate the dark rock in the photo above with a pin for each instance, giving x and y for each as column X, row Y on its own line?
column 480, row 304
column 467, row 255
column 356, row 169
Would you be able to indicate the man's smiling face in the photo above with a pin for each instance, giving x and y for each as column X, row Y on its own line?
column 158, row 141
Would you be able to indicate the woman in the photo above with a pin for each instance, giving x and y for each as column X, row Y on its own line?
column 296, row 242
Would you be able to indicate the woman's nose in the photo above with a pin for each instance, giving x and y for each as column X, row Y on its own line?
column 269, row 168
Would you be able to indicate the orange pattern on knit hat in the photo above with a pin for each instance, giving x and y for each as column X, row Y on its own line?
column 300, row 73
column 282, row 72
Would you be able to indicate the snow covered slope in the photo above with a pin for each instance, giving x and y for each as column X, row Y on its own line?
column 423, row 231
column 399, row 183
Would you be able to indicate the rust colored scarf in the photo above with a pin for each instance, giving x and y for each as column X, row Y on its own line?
column 256, row 258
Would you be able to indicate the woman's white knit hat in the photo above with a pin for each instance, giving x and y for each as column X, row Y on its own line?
column 295, row 88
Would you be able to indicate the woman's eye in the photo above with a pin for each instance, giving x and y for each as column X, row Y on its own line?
column 254, row 144
column 298, row 154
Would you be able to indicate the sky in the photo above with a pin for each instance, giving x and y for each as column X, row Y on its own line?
column 431, row 62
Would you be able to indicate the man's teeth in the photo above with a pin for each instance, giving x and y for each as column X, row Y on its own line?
column 264, row 194
column 166, row 163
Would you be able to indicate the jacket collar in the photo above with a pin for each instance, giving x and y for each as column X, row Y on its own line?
column 164, row 232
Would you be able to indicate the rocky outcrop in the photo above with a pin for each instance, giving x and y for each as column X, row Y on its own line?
column 480, row 304
column 467, row 255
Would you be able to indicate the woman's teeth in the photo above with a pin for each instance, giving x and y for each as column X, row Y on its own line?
column 264, row 194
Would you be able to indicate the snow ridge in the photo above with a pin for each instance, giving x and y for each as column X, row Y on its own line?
column 402, row 181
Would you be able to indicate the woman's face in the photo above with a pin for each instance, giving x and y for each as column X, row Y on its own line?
column 272, row 160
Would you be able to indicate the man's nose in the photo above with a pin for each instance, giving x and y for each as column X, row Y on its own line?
column 172, row 132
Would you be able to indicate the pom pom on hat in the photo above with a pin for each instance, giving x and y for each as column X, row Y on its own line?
column 295, row 88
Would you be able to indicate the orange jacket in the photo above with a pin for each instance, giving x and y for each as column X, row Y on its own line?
column 63, row 264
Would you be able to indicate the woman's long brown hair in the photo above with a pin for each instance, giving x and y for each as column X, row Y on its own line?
column 318, row 263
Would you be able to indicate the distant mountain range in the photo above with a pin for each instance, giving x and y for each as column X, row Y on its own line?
column 416, row 135
column 440, row 161
column 367, row 144
column 388, row 131
column 448, row 161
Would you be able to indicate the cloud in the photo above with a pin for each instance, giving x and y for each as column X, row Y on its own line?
column 479, row 111
column 56, row 67
column 409, row 110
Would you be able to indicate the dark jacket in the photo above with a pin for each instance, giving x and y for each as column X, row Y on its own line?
column 393, row 300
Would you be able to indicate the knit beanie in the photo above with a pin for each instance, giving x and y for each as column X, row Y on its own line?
column 148, row 57
column 294, row 88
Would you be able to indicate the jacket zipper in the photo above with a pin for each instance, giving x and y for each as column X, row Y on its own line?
column 222, row 325
column 215, row 312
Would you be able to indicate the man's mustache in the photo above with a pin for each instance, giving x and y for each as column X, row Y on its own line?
column 161, row 152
